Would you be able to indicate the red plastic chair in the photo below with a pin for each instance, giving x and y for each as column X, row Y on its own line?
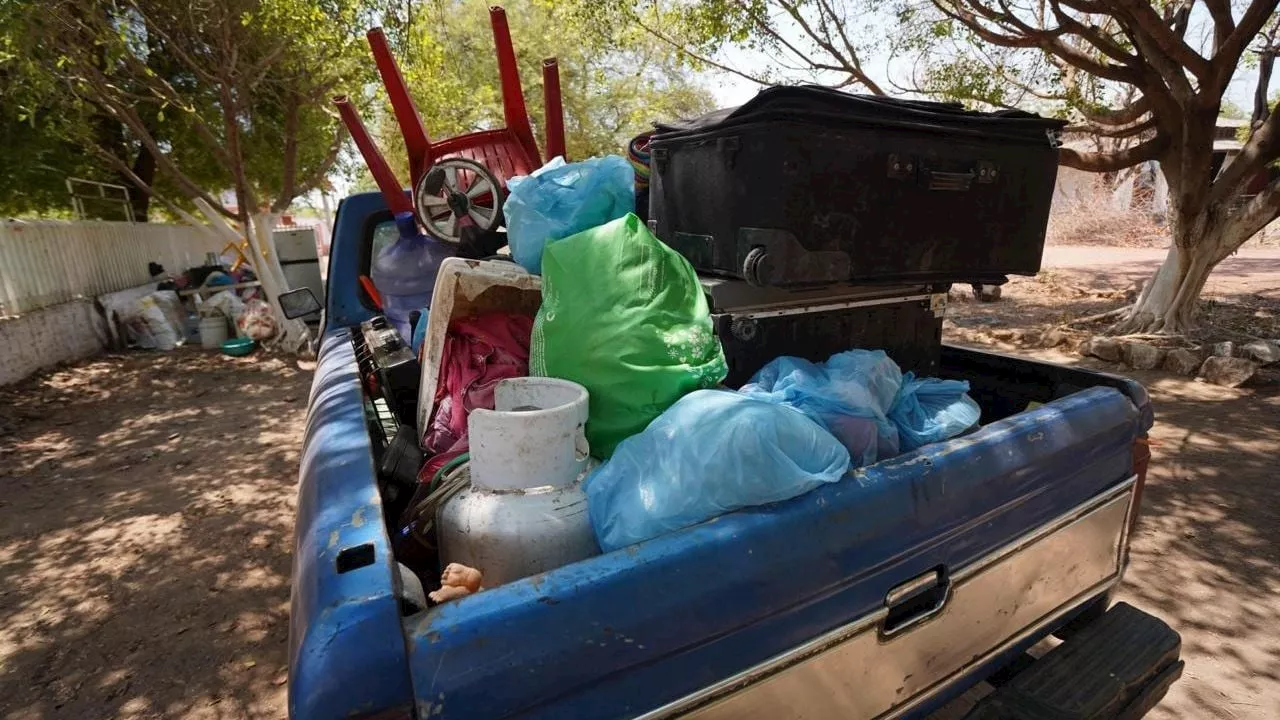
column 462, row 179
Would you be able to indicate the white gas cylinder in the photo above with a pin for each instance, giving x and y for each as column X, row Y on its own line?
column 525, row 511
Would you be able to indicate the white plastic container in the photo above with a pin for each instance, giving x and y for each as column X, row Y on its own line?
column 525, row 511
column 465, row 288
column 534, row 437
column 213, row 331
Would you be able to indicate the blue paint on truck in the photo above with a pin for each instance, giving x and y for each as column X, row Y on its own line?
column 621, row 634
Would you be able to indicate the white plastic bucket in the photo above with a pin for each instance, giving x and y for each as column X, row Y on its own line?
column 535, row 437
column 213, row 331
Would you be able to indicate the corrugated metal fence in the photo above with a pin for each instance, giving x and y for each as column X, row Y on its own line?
column 47, row 262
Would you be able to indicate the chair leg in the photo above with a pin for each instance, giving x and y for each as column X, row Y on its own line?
column 553, row 110
column 513, row 109
column 415, row 135
column 391, row 189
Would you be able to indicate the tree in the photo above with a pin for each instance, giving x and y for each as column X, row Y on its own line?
column 50, row 134
column 243, row 83
column 1176, row 84
column 1150, row 76
column 614, row 81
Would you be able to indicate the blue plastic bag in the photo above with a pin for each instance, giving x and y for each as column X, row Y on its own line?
column 713, row 452
column 930, row 410
column 559, row 200
column 849, row 395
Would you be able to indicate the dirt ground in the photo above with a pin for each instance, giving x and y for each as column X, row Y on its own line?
column 1206, row 554
column 145, row 533
column 146, row 518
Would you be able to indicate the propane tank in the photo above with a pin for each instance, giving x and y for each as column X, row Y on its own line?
column 525, row 511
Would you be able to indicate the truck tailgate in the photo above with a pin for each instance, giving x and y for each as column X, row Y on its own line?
column 346, row 646
column 1014, row 526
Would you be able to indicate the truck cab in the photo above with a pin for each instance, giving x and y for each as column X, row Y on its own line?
column 990, row 557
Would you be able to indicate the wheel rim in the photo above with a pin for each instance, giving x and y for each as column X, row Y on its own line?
column 468, row 189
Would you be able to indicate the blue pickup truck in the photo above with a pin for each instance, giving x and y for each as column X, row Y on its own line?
column 988, row 560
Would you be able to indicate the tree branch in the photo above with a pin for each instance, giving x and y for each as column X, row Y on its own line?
column 762, row 25
column 1115, row 131
column 130, row 118
column 289, row 171
column 196, row 67
column 839, row 22
column 1262, row 148
column 1163, row 39
column 696, row 56
column 1092, row 34
column 1120, row 116
column 1108, row 162
column 123, row 168
column 1256, row 214
column 1223, row 23
column 848, row 65
column 311, row 183
column 1229, row 51
column 1047, row 40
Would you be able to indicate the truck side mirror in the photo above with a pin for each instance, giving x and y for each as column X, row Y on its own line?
column 298, row 303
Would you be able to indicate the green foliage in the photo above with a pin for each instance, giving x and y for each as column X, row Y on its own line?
column 1233, row 111
column 223, row 89
column 615, row 80
column 39, row 130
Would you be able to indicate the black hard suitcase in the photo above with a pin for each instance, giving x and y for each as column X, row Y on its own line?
column 806, row 186
column 756, row 325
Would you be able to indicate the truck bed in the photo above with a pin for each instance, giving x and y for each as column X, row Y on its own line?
column 844, row 594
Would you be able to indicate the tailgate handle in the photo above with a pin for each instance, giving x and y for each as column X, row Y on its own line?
column 915, row 601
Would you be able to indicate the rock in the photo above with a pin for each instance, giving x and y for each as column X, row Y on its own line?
column 1053, row 338
column 986, row 293
column 1261, row 351
column 1182, row 362
column 1141, row 356
column 1224, row 349
column 1103, row 348
column 1228, row 371
column 1005, row 335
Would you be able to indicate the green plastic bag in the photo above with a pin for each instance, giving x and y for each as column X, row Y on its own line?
column 624, row 316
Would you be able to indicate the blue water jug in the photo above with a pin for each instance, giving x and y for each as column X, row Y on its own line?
column 405, row 273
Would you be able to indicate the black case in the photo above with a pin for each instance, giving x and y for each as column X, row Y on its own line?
column 756, row 325
column 806, row 185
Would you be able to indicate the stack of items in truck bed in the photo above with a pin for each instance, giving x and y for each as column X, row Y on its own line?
column 776, row 322
column 823, row 220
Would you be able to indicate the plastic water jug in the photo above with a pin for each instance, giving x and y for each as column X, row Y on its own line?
column 405, row 273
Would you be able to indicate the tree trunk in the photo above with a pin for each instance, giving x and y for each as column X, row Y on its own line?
column 1167, row 304
column 293, row 333
column 144, row 168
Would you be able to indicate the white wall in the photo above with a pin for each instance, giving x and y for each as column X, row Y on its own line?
column 51, row 271
column 44, row 263
column 46, row 337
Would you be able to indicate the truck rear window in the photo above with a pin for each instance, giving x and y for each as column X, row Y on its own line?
column 379, row 232
column 384, row 233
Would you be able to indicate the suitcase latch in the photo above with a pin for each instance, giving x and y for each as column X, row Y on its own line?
column 901, row 167
column 986, row 172
column 729, row 147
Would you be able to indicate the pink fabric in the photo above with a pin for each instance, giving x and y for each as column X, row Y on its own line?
column 478, row 352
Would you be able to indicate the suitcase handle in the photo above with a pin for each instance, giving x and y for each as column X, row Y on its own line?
column 984, row 172
column 950, row 181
